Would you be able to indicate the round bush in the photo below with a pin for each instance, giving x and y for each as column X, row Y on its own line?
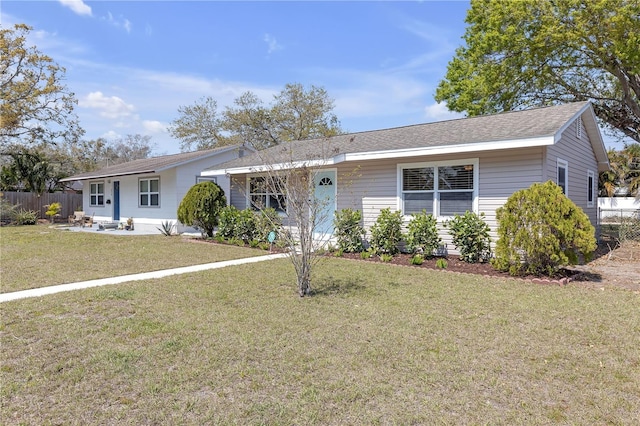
column 471, row 237
column 540, row 230
column 386, row 233
column 422, row 234
column 348, row 230
column 201, row 206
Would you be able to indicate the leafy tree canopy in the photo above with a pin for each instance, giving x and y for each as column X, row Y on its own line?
column 527, row 53
column 296, row 113
column 34, row 104
column 30, row 170
column 624, row 175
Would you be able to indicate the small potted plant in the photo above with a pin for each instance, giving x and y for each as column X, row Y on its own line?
column 129, row 226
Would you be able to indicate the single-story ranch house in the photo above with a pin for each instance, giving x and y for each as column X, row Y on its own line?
column 445, row 167
column 151, row 189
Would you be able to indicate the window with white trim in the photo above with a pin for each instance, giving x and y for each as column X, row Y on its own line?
column 149, row 192
column 442, row 189
column 96, row 194
column 562, row 178
column 265, row 192
column 591, row 188
column 206, row 179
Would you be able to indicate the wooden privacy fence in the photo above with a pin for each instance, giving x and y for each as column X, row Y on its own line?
column 31, row 201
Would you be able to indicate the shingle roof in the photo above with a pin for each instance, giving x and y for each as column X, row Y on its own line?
column 149, row 165
column 507, row 126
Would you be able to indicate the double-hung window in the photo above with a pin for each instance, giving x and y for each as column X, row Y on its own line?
column 265, row 192
column 442, row 189
column 149, row 192
column 591, row 188
column 96, row 194
column 563, row 175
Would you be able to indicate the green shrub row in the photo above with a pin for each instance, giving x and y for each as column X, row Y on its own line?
column 470, row 235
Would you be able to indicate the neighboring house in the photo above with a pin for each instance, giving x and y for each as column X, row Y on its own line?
column 151, row 189
column 444, row 167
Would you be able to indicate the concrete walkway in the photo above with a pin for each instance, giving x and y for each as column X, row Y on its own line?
column 37, row 292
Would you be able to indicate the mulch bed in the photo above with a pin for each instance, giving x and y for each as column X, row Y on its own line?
column 454, row 264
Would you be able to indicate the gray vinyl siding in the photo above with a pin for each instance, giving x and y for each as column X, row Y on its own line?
column 501, row 174
column 369, row 187
column 238, row 197
column 581, row 158
column 372, row 186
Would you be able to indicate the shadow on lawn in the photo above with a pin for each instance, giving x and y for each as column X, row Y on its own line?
column 329, row 286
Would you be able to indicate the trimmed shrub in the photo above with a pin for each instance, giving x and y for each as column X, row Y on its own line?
column 471, row 237
column 348, row 230
column 201, row 207
column 540, row 230
column 267, row 220
column 227, row 222
column 246, row 225
column 422, row 234
column 386, row 233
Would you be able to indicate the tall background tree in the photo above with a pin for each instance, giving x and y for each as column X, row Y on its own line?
column 623, row 177
column 296, row 113
column 527, row 53
column 35, row 106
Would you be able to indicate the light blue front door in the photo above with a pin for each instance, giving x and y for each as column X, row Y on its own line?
column 325, row 193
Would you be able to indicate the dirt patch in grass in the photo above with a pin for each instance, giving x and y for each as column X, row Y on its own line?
column 615, row 265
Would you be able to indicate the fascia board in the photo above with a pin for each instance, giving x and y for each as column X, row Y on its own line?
column 109, row 175
column 452, row 149
column 274, row 167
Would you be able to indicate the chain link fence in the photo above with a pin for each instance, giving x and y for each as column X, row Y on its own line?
column 619, row 224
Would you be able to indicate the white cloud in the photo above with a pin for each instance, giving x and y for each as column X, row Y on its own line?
column 154, row 126
column 77, row 6
column 272, row 44
column 366, row 94
column 440, row 112
column 119, row 22
column 111, row 107
column 111, row 135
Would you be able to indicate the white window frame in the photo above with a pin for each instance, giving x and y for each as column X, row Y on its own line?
column 148, row 193
column 436, row 191
column 266, row 193
column 200, row 179
column 560, row 163
column 96, row 194
column 591, row 194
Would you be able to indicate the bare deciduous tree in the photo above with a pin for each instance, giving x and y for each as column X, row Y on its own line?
column 302, row 192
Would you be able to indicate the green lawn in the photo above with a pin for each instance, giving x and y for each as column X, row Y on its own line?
column 375, row 344
column 39, row 256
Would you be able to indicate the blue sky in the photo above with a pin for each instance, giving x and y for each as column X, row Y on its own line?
column 131, row 64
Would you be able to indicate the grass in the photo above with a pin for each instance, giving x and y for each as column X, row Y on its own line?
column 375, row 344
column 39, row 256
